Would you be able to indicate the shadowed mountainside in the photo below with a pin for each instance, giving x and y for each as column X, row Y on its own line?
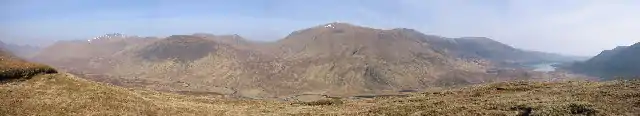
column 485, row 48
column 621, row 62
column 177, row 47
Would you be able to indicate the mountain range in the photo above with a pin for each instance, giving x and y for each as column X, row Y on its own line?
column 46, row 92
column 338, row 59
column 486, row 48
column 23, row 51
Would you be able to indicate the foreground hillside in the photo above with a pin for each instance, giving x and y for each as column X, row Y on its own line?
column 65, row 94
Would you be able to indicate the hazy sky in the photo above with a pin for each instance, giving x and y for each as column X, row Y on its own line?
column 576, row 27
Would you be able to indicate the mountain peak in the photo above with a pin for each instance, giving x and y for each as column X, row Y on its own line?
column 231, row 36
column 181, row 36
column 327, row 28
column 107, row 36
column 334, row 25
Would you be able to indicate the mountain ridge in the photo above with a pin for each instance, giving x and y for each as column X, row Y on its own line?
column 333, row 58
column 620, row 62
column 23, row 51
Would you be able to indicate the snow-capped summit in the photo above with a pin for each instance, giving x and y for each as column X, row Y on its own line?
column 329, row 26
column 108, row 36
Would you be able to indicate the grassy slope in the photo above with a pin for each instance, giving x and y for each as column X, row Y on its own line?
column 62, row 94
column 12, row 67
column 575, row 98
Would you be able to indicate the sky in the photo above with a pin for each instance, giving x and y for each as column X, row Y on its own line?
column 572, row 27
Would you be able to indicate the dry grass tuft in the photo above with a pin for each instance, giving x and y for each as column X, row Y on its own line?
column 12, row 68
column 24, row 73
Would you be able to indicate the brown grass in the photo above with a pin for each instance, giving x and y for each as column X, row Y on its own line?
column 62, row 94
column 59, row 94
column 521, row 98
column 12, row 68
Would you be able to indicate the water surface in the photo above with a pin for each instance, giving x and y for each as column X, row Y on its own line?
column 544, row 67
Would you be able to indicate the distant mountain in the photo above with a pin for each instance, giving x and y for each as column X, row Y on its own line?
column 621, row 62
column 107, row 37
column 227, row 39
column 4, row 53
column 342, row 59
column 488, row 49
column 79, row 53
column 23, row 51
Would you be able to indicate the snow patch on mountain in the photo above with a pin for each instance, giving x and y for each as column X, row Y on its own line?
column 107, row 36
